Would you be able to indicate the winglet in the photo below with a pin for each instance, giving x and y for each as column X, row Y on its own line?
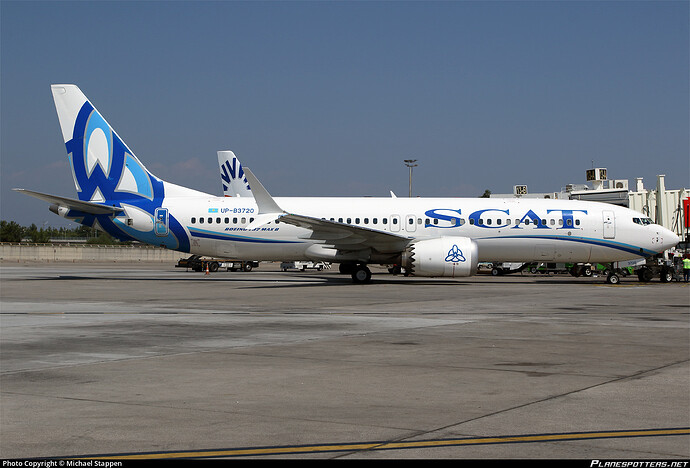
column 268, row 209
column 264, row 200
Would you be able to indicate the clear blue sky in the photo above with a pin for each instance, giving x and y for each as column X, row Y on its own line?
column 328, row 98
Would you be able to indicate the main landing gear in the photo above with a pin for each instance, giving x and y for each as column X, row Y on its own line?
column 360, row 272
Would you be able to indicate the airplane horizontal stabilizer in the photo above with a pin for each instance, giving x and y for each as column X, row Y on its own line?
column 72, row 204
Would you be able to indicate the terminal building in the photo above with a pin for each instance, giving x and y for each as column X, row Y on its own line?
column 668, row 208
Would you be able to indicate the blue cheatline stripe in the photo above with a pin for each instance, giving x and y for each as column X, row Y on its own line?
column 583, row 240
column 228, row 237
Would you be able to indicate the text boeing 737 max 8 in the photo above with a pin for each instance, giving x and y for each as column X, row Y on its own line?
column 426, row 236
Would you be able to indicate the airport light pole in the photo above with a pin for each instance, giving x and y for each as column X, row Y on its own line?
column 410, row 163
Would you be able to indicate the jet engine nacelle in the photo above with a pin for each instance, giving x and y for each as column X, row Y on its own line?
column 443, row 256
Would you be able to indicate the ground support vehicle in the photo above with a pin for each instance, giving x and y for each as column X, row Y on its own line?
column 304, row 266
column 498, row 269
column 667, row 270
column 199, row 263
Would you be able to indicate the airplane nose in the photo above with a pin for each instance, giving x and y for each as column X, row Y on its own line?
column 670, row 239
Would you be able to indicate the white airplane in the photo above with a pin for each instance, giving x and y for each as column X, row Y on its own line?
column 444, row 237
column 232, row 175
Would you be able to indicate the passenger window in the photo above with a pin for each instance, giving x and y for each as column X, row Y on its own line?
column 227, row 220
column 201, row 220
column 435, row 220
column 349, row 220
column 570, row 222
column 356, row 220
column 577, row 222
column 366, row 220
column 395, row 220
column 193, row 220
column 340, row 220
column 218, row 220
column 384, row 220
column 244, row 220
column 375, row 220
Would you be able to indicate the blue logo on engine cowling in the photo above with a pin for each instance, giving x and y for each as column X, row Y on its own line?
column 455, row 255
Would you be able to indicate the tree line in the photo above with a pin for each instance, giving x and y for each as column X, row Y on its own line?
column 11, row 231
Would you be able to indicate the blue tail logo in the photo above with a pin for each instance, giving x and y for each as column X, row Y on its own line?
column 106, row 171
column 104, row 168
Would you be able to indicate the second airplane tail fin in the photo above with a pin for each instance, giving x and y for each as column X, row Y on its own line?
column 232, row 175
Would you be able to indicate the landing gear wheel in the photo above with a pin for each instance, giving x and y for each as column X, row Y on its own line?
column 361, row 274
column 666, row 275
column 613, row 278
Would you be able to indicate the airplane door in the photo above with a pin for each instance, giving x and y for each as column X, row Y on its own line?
column 395, row 223
column 410, row 223
column 161, row 218
column 609, row 224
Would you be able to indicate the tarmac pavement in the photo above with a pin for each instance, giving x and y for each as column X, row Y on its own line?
column 149, row 360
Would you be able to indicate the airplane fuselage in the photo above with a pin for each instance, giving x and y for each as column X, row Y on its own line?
column 505, row 230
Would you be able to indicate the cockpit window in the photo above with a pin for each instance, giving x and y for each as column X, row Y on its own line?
column 643, row 221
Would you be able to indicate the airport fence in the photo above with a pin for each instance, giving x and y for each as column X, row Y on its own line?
column 75, row 253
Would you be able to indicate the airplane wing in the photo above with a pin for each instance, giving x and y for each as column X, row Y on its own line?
column 334, row 235
column 346, row 237
column 72, row 204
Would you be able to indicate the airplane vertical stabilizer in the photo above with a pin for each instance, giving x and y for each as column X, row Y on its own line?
column 104, row 168
column 107, row 172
